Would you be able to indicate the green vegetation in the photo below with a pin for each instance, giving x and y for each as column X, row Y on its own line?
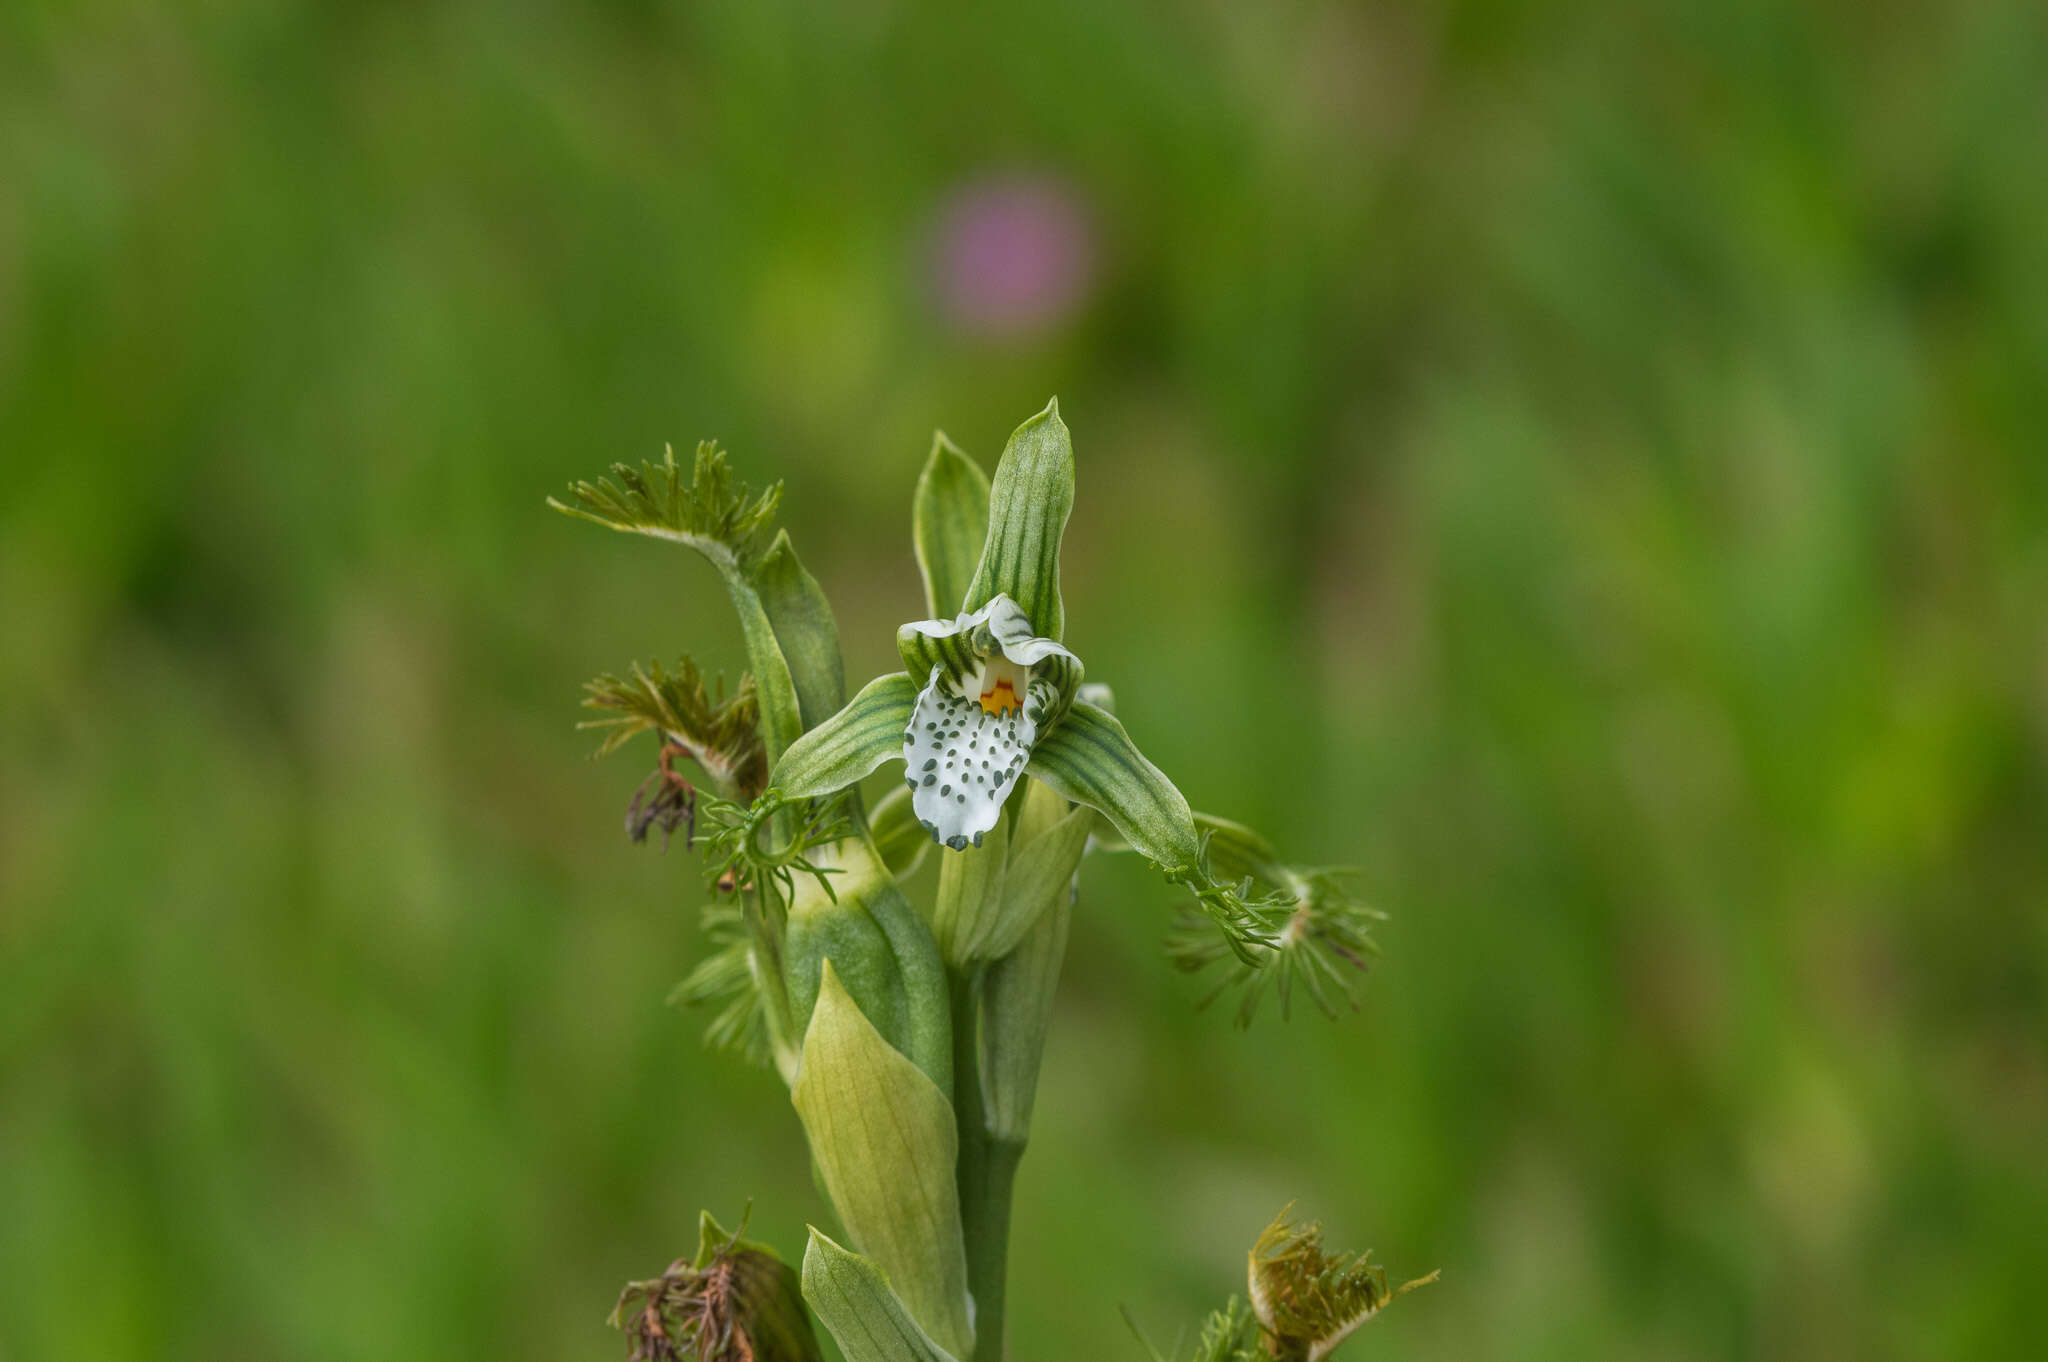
column 1618, row 433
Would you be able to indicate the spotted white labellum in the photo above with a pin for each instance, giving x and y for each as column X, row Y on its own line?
column 992, row 689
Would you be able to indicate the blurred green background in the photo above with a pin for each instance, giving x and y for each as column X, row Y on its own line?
column 1584, row 468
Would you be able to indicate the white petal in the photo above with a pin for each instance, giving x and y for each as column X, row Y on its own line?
column 959, row 624
column 1011, row 628
column 962, row 762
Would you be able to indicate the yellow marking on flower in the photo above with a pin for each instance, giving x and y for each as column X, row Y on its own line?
column 1002, row 681
column 999, row 697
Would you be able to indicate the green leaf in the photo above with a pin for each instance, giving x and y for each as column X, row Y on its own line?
column 854, row 1300
column 949, row 525
column 804, row 629
column 853, row 742
column 1028, row 506
column 885, row 1143
column 1088, row 758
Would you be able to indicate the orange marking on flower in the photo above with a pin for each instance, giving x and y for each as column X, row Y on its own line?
column 1000, row 696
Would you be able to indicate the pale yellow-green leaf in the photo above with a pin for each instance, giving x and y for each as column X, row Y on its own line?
column 864, row 1316
column 884, row 1140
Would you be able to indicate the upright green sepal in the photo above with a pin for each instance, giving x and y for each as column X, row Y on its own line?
column 863, row 1315
column 1028, row 506
column 885, row 1143
column 948, row 525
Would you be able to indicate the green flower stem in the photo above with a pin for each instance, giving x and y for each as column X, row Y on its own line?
column 785, row 1043
column 987, row 1174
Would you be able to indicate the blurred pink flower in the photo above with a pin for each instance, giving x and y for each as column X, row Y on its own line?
column 1012, row 254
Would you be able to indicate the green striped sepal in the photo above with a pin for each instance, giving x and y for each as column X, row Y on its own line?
column 1027, row 514
column 853, row 742
column 1089, row 759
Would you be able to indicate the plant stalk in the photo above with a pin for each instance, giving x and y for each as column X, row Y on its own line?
column 987, row 1174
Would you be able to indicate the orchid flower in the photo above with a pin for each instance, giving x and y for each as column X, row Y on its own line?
column 991, row 696
column 993, row 687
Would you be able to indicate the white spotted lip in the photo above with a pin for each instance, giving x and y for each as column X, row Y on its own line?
column 962, row 761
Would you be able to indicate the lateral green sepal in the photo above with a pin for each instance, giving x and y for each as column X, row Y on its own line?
column 864, row 1316
column 1029, row 501
column 1089, row 759
column 948, row 525
column 853, row 742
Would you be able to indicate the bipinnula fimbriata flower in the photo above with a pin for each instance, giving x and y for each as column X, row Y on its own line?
column 990, row 693
column 992, row 687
